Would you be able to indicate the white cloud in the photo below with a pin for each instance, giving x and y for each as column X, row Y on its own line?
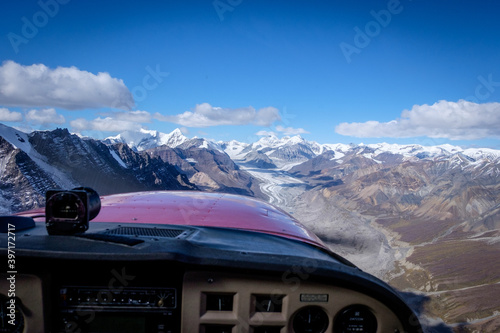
column 265, row 133
column 266, row 116
column 7, row 115
column 113, row 122
column 63, row 87
column 133, row 116
column 44, row 117
column 291, row 130
column 107, row 124
column 205, row 115
column 460, row 120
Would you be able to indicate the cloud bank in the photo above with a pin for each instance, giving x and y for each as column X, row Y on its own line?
column 44, row 117
column 460, row 120
column 291, row 130
column 205, row 115
column 107, row 124
column 113, row 122
column 132, row 116
column 64, row 87
column 7, row 115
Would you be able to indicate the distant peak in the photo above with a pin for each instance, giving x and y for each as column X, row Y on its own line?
column 270, row 138
column 296, row 139
column 177, row 131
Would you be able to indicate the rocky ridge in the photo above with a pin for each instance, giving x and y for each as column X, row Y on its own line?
column 33, row 163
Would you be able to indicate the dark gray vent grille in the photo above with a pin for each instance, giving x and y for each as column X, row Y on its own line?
column 147, row 232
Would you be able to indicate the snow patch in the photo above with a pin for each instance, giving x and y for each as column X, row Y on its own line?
column 234, row 148
column 118, row 159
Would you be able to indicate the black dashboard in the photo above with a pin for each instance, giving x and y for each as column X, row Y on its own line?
column 149, row 278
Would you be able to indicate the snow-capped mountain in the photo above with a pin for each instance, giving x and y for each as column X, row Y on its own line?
column 145, row 139
column 271, row 143
column 200, row 143
column 287, row 152
column 282, row 152
column 21, row 141
column 233, row 148
column 23, row 181
column 430, row 152
column 30, row 164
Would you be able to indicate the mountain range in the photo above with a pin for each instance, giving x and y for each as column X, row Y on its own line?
column 424, row 218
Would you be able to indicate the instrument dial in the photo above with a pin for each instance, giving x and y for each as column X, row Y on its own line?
column 311, row 319
column 220, row 302
column 356, row 318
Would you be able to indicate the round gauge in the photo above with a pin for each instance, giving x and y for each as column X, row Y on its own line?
column 311, row 319
column 356, row 318
column 11, row 318
column 65, row 206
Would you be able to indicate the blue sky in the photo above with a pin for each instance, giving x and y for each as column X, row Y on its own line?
column 332, row 71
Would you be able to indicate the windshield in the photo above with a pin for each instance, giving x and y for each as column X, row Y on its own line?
column 376, row 125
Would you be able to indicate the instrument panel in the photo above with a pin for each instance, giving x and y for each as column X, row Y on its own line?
column 258, row 271
column 228, row 303
column 205, row 302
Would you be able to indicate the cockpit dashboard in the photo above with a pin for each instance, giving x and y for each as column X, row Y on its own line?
column 254, row 270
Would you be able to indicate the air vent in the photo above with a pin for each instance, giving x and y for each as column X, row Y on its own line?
column 146, row 232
